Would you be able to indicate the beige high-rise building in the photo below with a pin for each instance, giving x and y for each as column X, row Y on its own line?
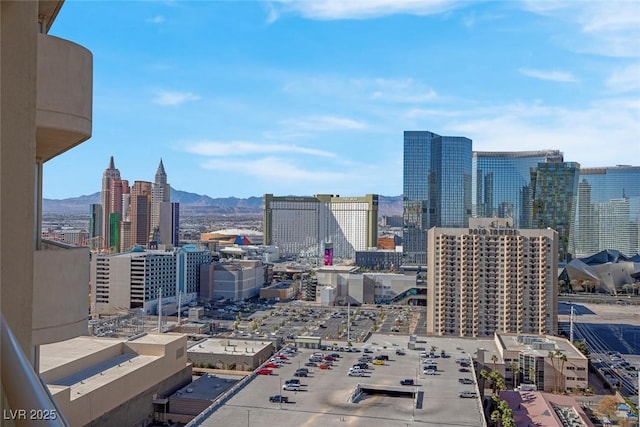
column 45, row 109
column 491, row 278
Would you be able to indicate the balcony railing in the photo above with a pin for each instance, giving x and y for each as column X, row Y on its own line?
column 30, row 403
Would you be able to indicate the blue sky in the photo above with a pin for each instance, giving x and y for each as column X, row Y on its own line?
column 241, row 98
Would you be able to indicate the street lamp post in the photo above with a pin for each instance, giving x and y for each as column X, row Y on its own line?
column 248, row 414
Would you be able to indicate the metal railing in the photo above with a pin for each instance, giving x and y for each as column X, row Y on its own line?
column 30, row 402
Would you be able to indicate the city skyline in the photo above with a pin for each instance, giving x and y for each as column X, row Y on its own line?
column 309, row 98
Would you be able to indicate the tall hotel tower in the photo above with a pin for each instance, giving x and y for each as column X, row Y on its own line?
column 111, row 205
column 160, row 193
column 502, row 183
column 608, row 211
column 436, row 188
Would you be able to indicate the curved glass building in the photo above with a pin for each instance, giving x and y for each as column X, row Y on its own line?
column 608, row 211
column 502, row 183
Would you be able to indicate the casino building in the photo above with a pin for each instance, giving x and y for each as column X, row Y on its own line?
column 491, row 278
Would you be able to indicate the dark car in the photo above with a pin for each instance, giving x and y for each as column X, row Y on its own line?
column 464, row 370
column 465, row 381
column 300, row 374
column 361, row 365
column 382, row 357
column 311, row 364
column 400, row 352
column 407, row 381
column 278, row 398
column 366, row 350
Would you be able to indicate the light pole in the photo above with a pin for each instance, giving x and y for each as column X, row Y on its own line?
column 248, row 414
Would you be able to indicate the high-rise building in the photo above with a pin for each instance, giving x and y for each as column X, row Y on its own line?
column 169, row 226
column 135, row 279
column 490, row 278
column 95, row 227
column 140, row 212
column 46, row 100
column 160, row 193
column 502, row 180
column 608, row 211
column 554, row 191
column 303, row 226
column 111, row 200
column 436, row 188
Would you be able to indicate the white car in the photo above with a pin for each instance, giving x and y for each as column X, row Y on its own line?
column 429, row 372
column 291, row 387
column 355, row 373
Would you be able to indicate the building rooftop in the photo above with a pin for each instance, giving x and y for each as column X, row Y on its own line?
column 229, row 346
column 538, row 345
column 545, row 409
column 207, row 387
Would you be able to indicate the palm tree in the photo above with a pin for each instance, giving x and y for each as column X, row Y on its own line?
column 563, row 359
column 551, row 355
column 494, row 359
column 515, row 371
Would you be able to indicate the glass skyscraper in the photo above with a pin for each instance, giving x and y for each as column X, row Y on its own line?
column 608, row 211
column 436, row 188
column 554, row 191
column 502, row 180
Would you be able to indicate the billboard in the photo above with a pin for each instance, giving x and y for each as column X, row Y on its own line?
column 328, row 254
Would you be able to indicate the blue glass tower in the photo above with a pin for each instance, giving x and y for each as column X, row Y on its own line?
column 608, row 211
column 502, row 180
column 436, row 188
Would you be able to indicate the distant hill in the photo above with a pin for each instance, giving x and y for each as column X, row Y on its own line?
column 198, row 204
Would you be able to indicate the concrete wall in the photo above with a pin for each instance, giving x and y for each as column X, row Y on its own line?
column 139, row 410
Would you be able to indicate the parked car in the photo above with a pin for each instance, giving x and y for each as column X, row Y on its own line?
column 312, row 364
column 381, row 357
column 278, row 398
column 400, row 352
column 407, row 381
column 291, row 387
column 324, row 366
column 355, row 374
column 300, row 374
column 361, row 365
column 367, row 350
column 464, row 370
column 292, row 381
column 281, row 357
column 465, row 381
column 271, row 365
column 264, row 371
column 378, row 362
column 468, row 394
column 429, row 372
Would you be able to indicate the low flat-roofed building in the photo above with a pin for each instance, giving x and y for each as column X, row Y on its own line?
column 533, row 408
column 103, row 381
column 282, row 290
column 549, row 362
column 192, row 399
column 225, row 353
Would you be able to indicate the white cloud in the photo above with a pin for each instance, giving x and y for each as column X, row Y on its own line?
column 579, row 133
column 352, row 9
column 552, row 75
column 274, row 168
column 625, row 80
column 607, row 28
column 324, row 123
column 390, row 90
column 243, row 148
column 159, row 19
column 169, row 98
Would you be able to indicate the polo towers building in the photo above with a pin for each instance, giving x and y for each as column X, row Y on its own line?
column 490, row 278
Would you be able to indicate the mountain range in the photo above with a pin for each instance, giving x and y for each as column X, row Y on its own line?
column 198, row 204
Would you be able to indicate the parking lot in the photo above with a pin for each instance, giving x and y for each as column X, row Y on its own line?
column 325, row 395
